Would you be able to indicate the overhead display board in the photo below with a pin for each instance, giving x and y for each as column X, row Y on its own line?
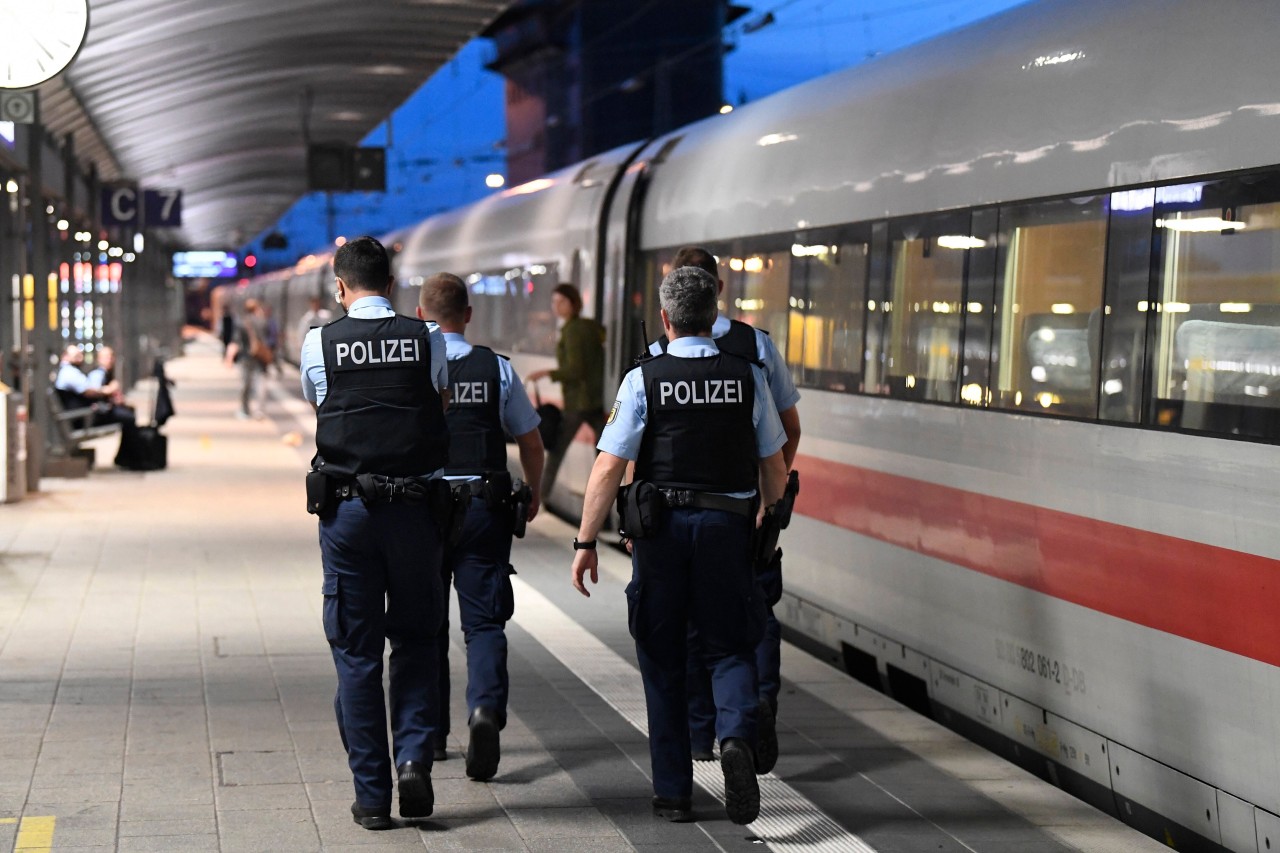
column 206, row 264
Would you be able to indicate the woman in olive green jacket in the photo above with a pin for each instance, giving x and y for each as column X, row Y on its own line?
column 580, row 372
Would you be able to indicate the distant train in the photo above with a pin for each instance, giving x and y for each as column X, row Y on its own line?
column 1027, row 276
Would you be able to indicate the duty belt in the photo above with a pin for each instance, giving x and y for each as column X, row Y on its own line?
column 377, row 487
column 690, row 499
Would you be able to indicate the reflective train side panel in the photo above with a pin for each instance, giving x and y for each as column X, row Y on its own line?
column 1025, row 276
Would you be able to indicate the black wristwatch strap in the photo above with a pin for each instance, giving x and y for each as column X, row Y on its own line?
column 583, row 546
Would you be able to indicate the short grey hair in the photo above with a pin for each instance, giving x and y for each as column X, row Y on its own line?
column 688, row 295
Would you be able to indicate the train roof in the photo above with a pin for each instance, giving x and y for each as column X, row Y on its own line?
column 1050, row 98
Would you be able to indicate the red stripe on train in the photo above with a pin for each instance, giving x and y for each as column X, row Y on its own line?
column 1223, row 598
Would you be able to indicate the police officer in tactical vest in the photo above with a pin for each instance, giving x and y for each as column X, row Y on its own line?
column 488, row 403
column 742, row 339
column 379, row 382
column 702, row 430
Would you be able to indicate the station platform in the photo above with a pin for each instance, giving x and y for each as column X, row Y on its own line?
column 165, row 685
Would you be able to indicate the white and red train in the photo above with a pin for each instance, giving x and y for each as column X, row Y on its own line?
column 1027, row 276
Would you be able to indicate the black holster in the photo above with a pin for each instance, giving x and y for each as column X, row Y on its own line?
column 521, row 497
column 765, row 540
column 320, row 497
column 788, row 502
column 640, row 507
column 497, row 490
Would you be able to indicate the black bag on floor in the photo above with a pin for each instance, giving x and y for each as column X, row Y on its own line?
column 143, row 449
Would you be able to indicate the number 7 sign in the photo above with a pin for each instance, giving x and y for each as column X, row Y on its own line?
column 162, row 208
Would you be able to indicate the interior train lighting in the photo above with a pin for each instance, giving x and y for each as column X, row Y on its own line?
column 735, row 264
column 749, row 304
column 798, row 250
column 726, row 109
column 103, row 245
column 11, row 186
column 1202, row 225
column 63, row 225
column 494, row 180
column 1113, row 386
column 1235, row 307
column 139, row 243
column 1062, row 308
column 753, row 265
column 975, row 307
column 1175, row 307
column 959, row 241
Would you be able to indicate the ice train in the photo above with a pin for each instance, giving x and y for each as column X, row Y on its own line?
column 1027, row 276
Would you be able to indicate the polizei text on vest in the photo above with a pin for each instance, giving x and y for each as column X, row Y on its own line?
column 686, row 392
column 381, row 351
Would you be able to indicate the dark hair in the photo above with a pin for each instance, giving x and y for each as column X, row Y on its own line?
column 688, row 295
column 568, row 291
column 444, row 298
column 363, row 264
column 696, row 256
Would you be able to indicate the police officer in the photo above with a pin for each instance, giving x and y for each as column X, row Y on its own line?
column 741, row 339
column 488, row 402
column 379, row 383
column 702, row 430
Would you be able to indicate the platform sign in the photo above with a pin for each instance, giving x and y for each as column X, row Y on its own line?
column 127, row 205
column 162, row 208
column 120, row 205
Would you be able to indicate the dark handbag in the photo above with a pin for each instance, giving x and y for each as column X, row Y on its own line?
column 552, row 418
column 143, row 449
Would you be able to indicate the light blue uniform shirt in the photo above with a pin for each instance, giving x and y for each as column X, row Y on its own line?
column 781, row 387
column 315, row 384
column 518, row 416
column 622, row 434
column 97, row 377
column 71, row 378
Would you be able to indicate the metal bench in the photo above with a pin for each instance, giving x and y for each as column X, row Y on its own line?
column 75, row 427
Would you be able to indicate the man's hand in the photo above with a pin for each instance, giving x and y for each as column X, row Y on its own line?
column 535, row 503
column 585, row 561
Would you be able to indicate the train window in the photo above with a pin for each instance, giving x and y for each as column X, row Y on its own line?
column 1049, row 293
column 1216, row 342
column 758, row 288
column 513, row 308
column 828, row 301
column 921, row 354
column 1124, row 315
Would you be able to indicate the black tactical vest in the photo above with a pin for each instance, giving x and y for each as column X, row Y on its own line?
column 699, row 433
column 477, row 444
column 739, row 340
column 381, row 413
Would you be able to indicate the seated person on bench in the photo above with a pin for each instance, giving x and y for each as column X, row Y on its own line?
column 76, row 391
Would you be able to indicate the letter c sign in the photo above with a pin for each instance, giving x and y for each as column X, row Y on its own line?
column 120, row 205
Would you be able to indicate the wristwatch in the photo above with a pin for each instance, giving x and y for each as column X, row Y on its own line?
column 583, row 546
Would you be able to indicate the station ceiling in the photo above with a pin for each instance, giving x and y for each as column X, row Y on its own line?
column 217, row 99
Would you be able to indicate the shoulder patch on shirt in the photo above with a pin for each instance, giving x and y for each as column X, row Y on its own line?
column 613, row 413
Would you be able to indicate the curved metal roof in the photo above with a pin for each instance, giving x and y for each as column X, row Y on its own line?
column 212, row 98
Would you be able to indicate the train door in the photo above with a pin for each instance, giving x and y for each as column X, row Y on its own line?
column 628, row 279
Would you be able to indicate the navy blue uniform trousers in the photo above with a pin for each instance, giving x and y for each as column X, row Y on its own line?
column 702, row 707
column 479, row 566
column 382, row 583
column 695, row 575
